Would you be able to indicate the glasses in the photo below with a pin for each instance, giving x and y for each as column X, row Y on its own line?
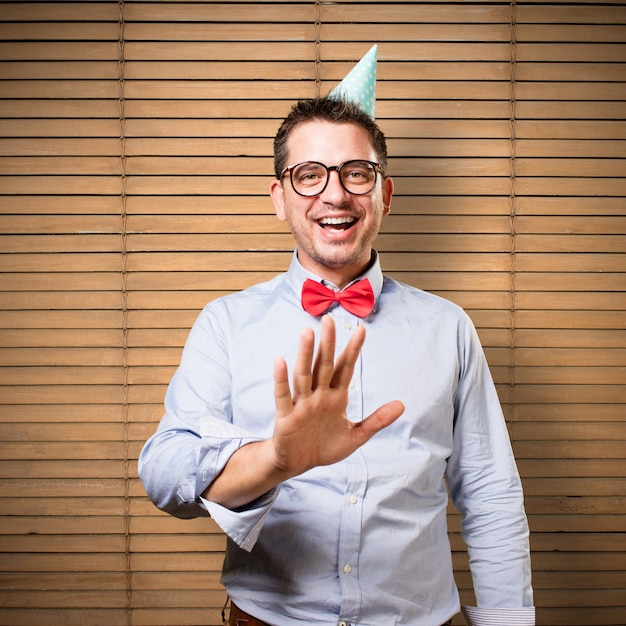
column 311, row 178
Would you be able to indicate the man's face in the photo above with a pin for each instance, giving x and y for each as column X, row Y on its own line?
column 335, row 229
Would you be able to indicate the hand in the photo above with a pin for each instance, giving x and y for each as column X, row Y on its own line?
column 311, row 426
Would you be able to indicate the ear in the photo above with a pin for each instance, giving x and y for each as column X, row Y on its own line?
column 277, row 193
column 387, row 189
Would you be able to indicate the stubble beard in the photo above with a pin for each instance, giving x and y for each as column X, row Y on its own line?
column 336, row 255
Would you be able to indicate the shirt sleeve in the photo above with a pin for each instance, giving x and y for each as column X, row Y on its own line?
column 485, row 486
column 196, row 438
column 496, row 617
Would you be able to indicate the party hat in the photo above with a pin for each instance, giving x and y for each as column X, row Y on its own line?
column 359, row 86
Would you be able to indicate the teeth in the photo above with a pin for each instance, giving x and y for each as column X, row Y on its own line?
column 337, row 220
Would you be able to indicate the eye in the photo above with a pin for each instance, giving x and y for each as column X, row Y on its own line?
column 309, row 174
column 358, row 172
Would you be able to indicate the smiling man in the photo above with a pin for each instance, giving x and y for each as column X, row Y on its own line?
column 332, row 486
column 334, row 214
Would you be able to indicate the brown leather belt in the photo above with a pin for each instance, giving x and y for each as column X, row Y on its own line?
column 239, row 618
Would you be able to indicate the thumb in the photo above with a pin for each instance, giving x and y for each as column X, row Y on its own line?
column 382, row 417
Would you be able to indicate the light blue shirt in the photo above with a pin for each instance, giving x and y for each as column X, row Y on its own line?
column 362, row 542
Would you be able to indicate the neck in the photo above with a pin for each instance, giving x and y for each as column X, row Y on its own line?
column 339, row 276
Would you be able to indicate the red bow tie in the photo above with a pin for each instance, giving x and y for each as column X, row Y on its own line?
column 357, row 299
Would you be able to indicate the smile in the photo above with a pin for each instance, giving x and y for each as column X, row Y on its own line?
column 337, row 223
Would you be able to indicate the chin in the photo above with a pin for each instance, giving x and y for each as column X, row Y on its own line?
column 340, row 260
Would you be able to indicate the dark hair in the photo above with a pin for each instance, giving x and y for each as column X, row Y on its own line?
column 327, row 110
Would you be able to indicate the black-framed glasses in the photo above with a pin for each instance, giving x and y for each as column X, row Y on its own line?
column 310, row 178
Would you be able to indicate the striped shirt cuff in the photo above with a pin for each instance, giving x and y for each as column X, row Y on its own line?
column 475, row 616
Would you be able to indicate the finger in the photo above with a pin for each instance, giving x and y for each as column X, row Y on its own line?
column 344, row 366
column 381, row 418
column 324, row 366
column 282, row 393
column 302, row 378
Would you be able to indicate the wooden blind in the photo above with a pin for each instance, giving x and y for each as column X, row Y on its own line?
column 135, row 154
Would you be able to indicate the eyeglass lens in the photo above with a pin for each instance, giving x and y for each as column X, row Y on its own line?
column 310, row 178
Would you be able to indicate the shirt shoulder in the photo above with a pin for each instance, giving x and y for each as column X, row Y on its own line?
column 262, row 307
column 259, row 295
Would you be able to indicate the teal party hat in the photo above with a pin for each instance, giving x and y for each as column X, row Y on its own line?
column 359, row 86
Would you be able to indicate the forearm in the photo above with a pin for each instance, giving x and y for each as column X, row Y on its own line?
column 495, row 529
column 249, row 473
column 179, row 462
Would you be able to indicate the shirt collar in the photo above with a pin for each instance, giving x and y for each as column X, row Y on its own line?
column 297, row 275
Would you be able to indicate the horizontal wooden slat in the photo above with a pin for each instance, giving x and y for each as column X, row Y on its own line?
column 571, row 110
column 570, row 319
column 571, row 14
column 59, row 283
column 69, row 413
column 57, row 581
column 552, row 411
column 44, row 469
column 70, row 394
column 46, row 300
column 57, row 450
column 570, row 168
column 18, row 185
column 41, row 338
column 62, row 375
column 567, row 71
column 250, row 32
column 57, row 147
column 598, row 33
column 538, row 357
column 570, row 128
column 92, row 205
column 58, row 11
column 30, row 70
column 61, row 319
column 69, row 562
column 580, row 148
column 572, row 52
column 199, row 561
column 578, row 431
column 259, row 12
column 568, row 468
column 566, row 393
column 36, row 51
column 591, row 91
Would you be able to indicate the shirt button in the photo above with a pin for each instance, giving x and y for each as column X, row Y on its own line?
column 353, row 499
column 347, row 569
column 347, row 325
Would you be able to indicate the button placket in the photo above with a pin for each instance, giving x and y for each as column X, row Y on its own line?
column 351, row 519
column 350, row 534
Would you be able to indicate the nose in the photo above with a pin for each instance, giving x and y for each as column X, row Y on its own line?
column 334, row 192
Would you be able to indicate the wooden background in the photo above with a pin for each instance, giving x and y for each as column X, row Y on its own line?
column 135, row 156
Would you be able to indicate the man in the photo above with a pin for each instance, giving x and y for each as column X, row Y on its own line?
column 331, row 487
